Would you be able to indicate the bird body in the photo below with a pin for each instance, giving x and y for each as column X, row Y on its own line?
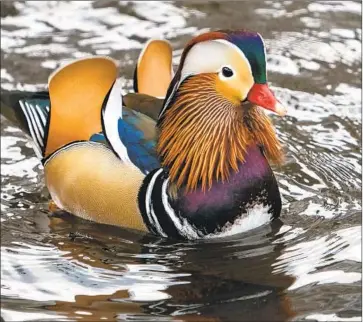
column 194, row 170
column 87, row 179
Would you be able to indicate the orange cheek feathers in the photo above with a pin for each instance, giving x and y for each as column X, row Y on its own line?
column 233, row 90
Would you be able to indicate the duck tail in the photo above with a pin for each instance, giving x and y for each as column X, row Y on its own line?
column 29, row 111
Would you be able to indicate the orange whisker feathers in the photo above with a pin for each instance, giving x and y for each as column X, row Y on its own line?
column 203, row 136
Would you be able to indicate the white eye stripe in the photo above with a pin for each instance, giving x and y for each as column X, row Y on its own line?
column 207, row 57
column 242, row 55
column 200, row 60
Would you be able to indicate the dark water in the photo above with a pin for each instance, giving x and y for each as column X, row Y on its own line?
column 305, row 267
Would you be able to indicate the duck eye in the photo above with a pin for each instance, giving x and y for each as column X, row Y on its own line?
column 227, row 72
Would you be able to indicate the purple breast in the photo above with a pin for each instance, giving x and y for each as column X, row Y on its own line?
column 253, row 170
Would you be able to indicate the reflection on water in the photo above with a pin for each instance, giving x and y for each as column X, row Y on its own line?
column 305, row 267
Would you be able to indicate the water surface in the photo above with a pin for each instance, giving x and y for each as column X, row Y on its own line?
column 304, row 267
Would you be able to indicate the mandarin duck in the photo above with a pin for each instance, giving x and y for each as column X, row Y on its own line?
column 190, row 167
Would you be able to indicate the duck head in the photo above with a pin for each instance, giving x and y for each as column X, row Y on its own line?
column 213, row 110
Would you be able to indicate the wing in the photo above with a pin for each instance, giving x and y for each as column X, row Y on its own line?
column 131, row 135
column 145, row 104
column 152, row 77
column 154, row 68
column 139, row 139
column 76, row 93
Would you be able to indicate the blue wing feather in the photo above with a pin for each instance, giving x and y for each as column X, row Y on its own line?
column 141, row 149
column 98, row 137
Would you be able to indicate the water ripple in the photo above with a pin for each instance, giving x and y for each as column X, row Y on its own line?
column 305, row 267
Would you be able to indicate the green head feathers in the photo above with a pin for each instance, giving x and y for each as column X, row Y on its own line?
column 252, row 45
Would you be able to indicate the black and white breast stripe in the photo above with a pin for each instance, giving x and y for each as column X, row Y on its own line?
column 157, row 212
column 36, row 120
